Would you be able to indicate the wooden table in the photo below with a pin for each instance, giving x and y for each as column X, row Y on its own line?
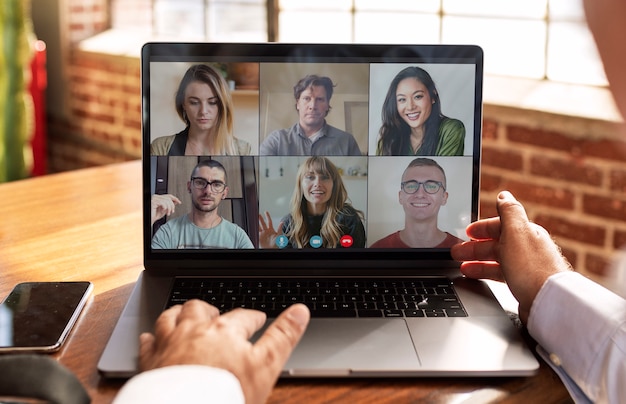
column 86, row 225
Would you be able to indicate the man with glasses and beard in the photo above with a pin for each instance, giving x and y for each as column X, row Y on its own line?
column 203, row 227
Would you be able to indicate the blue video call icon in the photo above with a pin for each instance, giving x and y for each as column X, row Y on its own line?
column 315, row 242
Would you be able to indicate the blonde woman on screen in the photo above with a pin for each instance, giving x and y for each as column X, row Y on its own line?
column 203, row 102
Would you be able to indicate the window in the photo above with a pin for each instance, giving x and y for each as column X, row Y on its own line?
column 194, row 20
column 540, row 39
column 537, row 39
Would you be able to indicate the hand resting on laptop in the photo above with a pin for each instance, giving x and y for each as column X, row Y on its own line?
column 578, row 323
column 511, row 248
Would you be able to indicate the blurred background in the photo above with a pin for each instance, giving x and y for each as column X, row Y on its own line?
column 70, row 91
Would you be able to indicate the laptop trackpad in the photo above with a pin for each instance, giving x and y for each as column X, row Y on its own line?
column 335, row 347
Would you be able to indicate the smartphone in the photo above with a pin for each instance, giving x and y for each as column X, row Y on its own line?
column 38, row 316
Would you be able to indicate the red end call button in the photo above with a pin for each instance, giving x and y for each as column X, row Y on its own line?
column 346, row 241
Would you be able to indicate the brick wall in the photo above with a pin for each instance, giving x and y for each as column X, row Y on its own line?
column 103, row 123
column 572, row 181
column 86, row 18
column 102, row 104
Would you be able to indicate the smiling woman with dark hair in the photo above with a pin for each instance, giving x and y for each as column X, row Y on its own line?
column 413, row 123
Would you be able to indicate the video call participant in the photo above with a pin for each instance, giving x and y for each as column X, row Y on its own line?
column 311, row 135
column 422, row 193
column 203, row 227
column 320, row 210
column 204, row 104
column 413, row 121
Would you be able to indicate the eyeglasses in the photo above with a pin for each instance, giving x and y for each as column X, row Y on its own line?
column 430, row 187
column 201, row 183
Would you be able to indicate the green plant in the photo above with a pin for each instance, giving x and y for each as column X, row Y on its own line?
column 16, row 109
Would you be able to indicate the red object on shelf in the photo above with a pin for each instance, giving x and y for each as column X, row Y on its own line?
column 37, row 88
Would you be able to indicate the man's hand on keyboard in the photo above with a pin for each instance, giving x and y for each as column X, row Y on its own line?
column 195, row 333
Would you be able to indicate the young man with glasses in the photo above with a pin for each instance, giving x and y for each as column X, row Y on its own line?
column 203, row 227
column 422, row 193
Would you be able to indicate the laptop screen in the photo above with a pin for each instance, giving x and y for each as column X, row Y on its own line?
column 261, row 153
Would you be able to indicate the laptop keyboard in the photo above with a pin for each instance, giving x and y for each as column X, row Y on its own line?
column 429, row 297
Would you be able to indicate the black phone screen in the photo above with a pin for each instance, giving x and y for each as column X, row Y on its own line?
column 37, row 316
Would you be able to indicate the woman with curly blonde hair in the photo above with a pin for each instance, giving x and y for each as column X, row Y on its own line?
column 319, row 207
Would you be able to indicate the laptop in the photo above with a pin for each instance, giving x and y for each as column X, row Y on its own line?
column 381, row 307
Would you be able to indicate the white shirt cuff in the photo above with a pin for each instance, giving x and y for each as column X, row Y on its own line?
column 182, row 384
column 581, row 326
